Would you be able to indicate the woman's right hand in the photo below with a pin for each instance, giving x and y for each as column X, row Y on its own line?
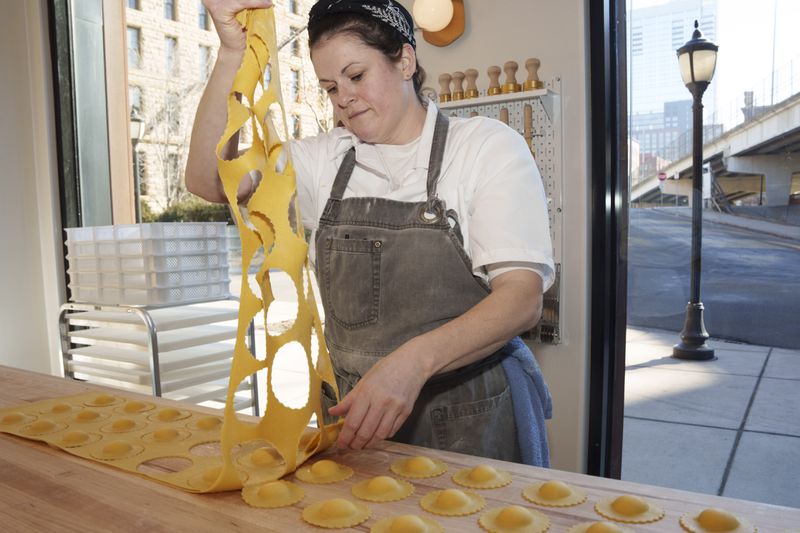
column 223, row 13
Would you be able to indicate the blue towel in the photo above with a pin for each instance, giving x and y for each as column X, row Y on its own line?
column 531, row 399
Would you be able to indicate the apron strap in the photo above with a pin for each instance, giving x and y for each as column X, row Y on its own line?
column 343, row 175
column 437, row 153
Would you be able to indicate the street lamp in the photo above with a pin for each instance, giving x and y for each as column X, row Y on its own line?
column 697, row 59
column 137, row 131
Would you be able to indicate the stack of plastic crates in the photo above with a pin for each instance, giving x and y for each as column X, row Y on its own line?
column 156, row 264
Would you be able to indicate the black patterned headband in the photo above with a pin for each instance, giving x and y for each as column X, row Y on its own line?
column 388, row 12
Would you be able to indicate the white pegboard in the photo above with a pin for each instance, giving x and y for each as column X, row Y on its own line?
column 546, row 147
column 546, row 142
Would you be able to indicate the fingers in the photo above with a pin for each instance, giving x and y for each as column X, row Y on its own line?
column 352, row 423
column 384, row 430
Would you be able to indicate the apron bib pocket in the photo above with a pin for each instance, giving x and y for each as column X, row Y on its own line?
column 346, row 260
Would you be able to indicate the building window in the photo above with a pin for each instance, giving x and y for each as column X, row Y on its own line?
column 295, row 42
column 202, row 16
column 134, row 4
column 205, row 60
column 172, row 112
column 170, row 54
column 135, row 98
column 169, row 10
column 296, row 126
column 293, row 7
column 294, row 85
column 134, row 47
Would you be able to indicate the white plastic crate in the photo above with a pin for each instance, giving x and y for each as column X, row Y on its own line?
column 151, row 296
column 139, row 247
column 152, row 230
column 147, row 263
column 148, row 280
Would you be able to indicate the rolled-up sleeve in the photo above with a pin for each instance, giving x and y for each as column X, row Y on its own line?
column 508, row 216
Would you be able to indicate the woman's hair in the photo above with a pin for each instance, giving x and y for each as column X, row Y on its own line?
column 371, row 32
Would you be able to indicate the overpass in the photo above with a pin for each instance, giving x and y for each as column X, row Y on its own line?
column 760, row 156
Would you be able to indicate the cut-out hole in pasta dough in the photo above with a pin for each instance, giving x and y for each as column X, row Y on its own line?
column 164, row 465
column 289, row 376
column 252, row 275
column 206, row 449
column 282, row 311
column 275, row 115
column 293, row 210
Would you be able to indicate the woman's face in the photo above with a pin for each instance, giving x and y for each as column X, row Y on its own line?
column 371, row 95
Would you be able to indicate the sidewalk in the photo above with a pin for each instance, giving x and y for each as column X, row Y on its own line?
column 729, row 427
column 761, row 225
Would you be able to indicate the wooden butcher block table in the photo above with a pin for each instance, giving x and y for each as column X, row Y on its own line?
column 46, row 489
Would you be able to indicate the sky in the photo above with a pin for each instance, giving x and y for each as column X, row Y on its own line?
column 745, row 60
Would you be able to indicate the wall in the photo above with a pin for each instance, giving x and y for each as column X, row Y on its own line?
column 555, row 32
column 30, row 283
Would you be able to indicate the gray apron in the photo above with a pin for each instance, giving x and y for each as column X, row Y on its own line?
column 389, row 271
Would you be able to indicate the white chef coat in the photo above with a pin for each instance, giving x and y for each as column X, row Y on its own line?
column 488, row 177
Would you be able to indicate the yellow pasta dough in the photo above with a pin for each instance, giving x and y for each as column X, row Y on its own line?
column 514, row 519
column 323, row 472
column 382, row 489
column 337, row 513
column 419, row 467
column 272, row 494
column 407, row 523
column 482, row 477
column 628, row 508
column 716, row 521
column 554, row 493
column 452, row 502
column 599, row 527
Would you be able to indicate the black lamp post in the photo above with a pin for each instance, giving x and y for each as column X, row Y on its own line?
column 137, row 131
column 697, row 60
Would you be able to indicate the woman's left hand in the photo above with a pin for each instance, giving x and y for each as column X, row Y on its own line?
column 382, row 400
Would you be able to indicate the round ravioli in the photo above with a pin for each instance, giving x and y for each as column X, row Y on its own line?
column 419, row 467
column 262, row 457
column 482, row 477
column 452, row 502
column 133, row 407
column 337, row 513
column 122, row 425
column 207, row 478
column 169, row 414
column 166, row 435
column 407, row 523
column 382, row 489
column 628, row 508
column 206, row 423
column 76, row 438
column 103, row 400
column 599, row 527
column 60, row 409
column 514, row 519
column 88, row 416
column 324, row 471
column 554, row 493
column 43, row 426
column 15, row 419
column 117, row 449
column 272, row 494
column 716, row 521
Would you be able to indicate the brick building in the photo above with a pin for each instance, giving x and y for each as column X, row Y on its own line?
column 172, row 47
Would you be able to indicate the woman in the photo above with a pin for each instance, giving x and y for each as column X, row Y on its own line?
column 431, row 245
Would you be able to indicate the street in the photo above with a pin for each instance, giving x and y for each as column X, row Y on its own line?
column 750, row 282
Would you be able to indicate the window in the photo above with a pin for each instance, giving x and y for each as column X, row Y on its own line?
column 205, row 59
column 296, row 126
column 294, row 85
column 173, row 112
column 135, row 98
column 170, row 55
column 202, row 16
column 134, row 4
column 295, row 42
column 293, row 7
column 169, row 10
column 134, row 47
